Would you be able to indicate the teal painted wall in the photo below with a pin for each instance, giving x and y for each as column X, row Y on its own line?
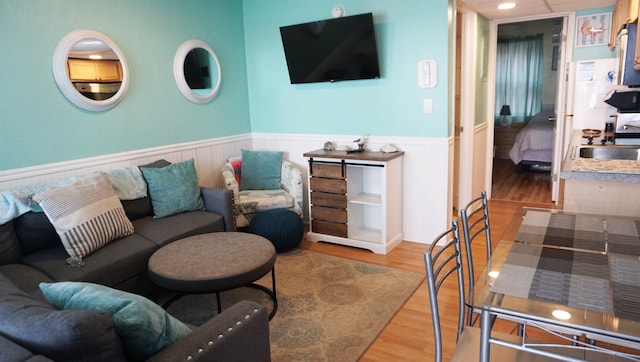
column 406, row 32
column 596, row 51
column 38, row 125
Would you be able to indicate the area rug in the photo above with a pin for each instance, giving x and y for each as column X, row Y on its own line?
column 329, row 308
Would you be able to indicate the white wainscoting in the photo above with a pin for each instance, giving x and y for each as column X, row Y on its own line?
column 209, row 156
column 426, row 179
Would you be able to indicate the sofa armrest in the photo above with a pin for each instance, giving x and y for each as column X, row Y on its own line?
column 239, row 333
column 220, row 201
column 291, row 181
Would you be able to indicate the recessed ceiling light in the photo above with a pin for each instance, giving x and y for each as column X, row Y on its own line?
column 506, row 6
column 95, row 56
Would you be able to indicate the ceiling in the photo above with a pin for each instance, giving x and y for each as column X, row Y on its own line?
column 526, row 8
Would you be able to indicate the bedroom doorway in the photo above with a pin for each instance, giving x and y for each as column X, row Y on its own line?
column 527, row 176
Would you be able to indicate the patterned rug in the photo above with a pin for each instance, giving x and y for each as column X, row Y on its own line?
column 329, row 308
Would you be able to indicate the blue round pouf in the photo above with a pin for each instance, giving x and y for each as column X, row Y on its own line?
column 282, row 227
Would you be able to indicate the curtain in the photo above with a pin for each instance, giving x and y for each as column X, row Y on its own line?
column 519, row 69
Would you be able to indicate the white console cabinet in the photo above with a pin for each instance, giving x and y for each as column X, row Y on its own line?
column 355, row 199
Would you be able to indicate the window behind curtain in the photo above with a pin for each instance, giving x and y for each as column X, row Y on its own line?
column 519, row 77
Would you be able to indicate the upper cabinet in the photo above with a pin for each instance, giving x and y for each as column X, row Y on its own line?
column 621, row 16
column 633, row 11
column 83, row 70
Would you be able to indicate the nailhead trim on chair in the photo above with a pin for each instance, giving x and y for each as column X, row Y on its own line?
column 220, row 336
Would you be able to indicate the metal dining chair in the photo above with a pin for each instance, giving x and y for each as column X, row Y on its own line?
column 444, row 261
column 475, row 223
column 440, row 264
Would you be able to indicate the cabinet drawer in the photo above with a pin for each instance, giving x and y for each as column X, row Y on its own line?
column 328, row 170
column 329, row 228
column 338, row 201
column 329, row 214
column 328, row 185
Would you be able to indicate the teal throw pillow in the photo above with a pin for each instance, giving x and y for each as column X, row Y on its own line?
column 260, row 170
column 173, row 189
column 143, row 326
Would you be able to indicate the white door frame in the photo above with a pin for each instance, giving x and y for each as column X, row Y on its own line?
column 468, row 58
column 566, row 52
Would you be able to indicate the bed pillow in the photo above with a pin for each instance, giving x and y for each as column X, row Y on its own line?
column 143, row 326
column 86, row 215
column 261, row 170
column 173, row 189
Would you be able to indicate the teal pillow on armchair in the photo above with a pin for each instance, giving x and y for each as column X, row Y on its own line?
column 261, row 170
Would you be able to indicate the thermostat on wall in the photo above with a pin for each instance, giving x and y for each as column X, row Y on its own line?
column 427, row 73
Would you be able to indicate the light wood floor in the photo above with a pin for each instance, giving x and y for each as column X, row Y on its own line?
column 510, row 183
column 409, row 335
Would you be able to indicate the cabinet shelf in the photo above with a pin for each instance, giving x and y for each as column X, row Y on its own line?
column 366, row 199
column 366, row 234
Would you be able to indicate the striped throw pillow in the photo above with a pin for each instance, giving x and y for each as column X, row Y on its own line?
column 86, row 214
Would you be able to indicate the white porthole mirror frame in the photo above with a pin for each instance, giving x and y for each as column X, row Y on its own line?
column 61, row 74
column 178, row 71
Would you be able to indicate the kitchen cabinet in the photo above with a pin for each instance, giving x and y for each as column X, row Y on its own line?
column 620, row 17
column 355, row 199
column 84, row 70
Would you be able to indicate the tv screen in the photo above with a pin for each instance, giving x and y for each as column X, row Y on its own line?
column 331, row 50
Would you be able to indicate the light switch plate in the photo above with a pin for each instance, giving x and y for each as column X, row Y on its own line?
column 427, row 106
column 427, row 73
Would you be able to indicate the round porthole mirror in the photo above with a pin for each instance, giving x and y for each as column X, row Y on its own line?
column 90, row 70
column 197, row 71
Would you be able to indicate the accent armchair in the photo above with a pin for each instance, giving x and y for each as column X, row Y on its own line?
column 248, row 202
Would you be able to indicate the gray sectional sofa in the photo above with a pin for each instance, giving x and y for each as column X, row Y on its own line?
column 31, row 252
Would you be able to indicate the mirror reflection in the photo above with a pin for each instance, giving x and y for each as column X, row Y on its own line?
column 94, row 69
column 197, row 71
column 90, row 70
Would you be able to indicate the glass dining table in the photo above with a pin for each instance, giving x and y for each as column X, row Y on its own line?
column 564, row 273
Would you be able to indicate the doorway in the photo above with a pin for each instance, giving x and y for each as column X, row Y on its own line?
column 521, row 173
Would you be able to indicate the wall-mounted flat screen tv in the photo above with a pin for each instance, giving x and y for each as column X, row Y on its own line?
column 331, row 50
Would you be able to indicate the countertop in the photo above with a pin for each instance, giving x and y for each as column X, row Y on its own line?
column 365, row 155
column 587, row 169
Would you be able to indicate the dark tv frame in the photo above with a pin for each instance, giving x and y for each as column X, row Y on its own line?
column 310, row 61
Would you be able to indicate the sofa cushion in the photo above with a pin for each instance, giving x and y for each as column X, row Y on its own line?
column 9, row 247
column 26, row 278
column 120, row 260
column 252, row 201
column 261, row 170
column 173, row 189
column 35, row 232
column 86, row 214
column 144, row 327
column 168, row 229
column 69, row 335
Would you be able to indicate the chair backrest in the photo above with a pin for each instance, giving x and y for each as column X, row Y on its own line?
column 441, row 262
column 475, row 223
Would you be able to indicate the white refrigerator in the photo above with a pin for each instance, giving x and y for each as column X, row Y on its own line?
column 589, row 83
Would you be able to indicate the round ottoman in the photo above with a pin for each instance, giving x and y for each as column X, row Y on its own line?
column 282, row 227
